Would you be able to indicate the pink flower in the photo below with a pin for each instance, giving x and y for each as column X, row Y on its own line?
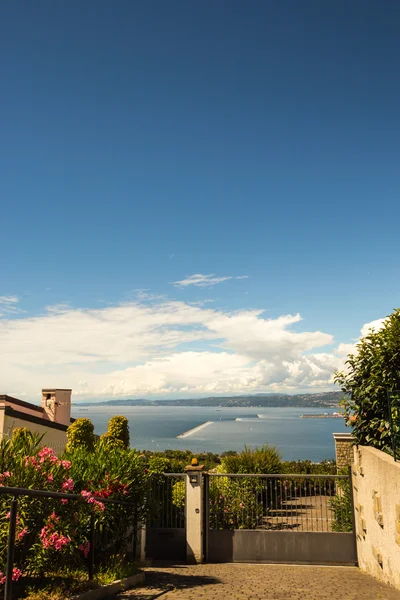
column 16, row 574
column 53, row 539
column 100, row 505
column 49, row 478
column 84, row 548
column 5, row 475
column 64, row 501
column 22, row 533
column 66, row 464
column 47, row 454
column 8, row 515
column 31, row 460
column 68, row 485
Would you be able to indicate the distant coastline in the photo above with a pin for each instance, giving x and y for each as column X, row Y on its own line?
column 319, row 400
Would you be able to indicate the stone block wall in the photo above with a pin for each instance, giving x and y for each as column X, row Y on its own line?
column 376, row 487
column 344, row 443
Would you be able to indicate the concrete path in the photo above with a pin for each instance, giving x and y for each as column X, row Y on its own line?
column 256, row 582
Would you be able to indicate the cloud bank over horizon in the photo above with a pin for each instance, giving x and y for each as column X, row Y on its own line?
column 164, row 348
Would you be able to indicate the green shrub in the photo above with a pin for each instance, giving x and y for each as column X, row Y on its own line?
column 372, row 373
column 341, row 507
column 109, row 441
column 80, row 434
column 52, row 536
column 118, row 430
column 260, row 460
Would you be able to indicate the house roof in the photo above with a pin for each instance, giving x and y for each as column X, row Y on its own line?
column 18, row 414
column 16, row 410
column 17, row 402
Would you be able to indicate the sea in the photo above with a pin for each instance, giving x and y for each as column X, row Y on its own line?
column 157, row 427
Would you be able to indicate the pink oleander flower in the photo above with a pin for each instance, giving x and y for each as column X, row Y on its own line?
column 84, row 548
column 66, row 464
column 16, row 574
column 47, row 454
column 53, row 539
column 68, row 485
column 8, row 515
column 4, row 476
column 64, row 501
column 22, row 533
column 50, row 478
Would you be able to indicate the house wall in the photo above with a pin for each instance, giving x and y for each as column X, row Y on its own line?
column 54, row 437
column 376, row 485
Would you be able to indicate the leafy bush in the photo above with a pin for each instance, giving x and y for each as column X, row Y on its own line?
column 341, row 507
column 118, row 431
column 80, row 434
column 54, row 535
column 371, row 373
column 326, row 467
column 260, row 460
column 243, row 503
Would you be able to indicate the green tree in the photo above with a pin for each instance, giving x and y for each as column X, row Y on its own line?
column 371, row 373
column 258, row 460
column 80, row 434
column 118, row 430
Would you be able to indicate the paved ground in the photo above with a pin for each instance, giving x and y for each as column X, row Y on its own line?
column 253, row 582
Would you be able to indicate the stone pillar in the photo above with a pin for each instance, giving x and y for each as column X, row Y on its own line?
column 344, row 443
column 194, row 514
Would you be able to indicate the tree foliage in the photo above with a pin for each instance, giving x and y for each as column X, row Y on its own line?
column 258, row 460
column 80, row 434
column 118, row 431
column 371, row 374
column 53, row 535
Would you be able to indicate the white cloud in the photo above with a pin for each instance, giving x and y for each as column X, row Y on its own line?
column 200, row 280
column 8, row 305
column 139, row 349
column 372, row 326
column 8, row 299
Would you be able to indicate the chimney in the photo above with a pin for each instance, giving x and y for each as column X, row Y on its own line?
column 56, row 405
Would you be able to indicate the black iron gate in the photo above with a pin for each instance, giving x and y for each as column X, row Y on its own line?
column 279, row 518
column 166, row 526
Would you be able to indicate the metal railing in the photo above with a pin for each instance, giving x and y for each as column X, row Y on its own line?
column 15, row 493
column 167, row 501
column 295, row 502
column 394, row 421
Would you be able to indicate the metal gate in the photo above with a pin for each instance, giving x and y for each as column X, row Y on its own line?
column 303, row 519
column 166, row 525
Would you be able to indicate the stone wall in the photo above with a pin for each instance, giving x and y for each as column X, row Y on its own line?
column 344, row 443
column 376, row 485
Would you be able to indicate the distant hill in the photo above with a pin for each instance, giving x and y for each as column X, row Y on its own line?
column 319, row 400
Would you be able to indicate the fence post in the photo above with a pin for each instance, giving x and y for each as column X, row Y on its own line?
column 91, row 548
column 194, row 514
column 10, row 549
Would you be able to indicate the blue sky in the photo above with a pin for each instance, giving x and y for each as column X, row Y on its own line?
column 146, row 142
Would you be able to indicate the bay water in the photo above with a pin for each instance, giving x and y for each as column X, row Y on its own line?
column 157, row 427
